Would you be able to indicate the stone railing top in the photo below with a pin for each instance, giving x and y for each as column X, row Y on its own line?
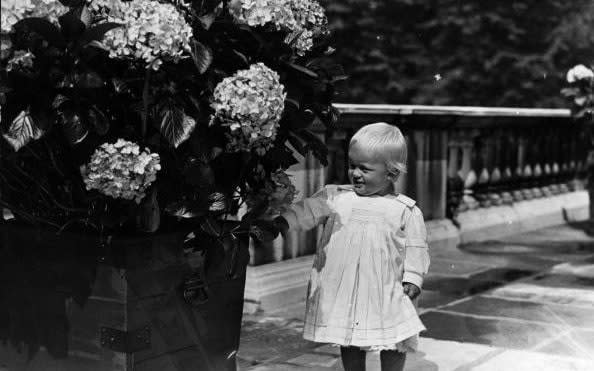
column 394, row 109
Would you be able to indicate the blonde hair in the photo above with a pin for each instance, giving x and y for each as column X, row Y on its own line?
column 384, row 142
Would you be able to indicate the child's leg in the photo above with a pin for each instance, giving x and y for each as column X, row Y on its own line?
column 392, row 360
column 353, row 358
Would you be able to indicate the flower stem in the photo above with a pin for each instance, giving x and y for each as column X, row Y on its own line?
column 145, row 101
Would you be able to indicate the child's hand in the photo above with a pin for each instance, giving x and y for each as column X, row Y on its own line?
column 411, row 290
column 264, row 230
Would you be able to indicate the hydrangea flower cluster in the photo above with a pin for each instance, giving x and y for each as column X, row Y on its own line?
column 250, row 103
column 121, row 170
column 312, row 22
column 302, row 19
column 152, row 31
column 15, row 10
column 579, row 72
column 278, row 191
column 101, row 9
column 21, row 60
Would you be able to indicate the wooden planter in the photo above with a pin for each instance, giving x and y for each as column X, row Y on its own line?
column 68, row 304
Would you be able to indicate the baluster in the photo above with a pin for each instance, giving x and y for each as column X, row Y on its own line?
column 494, row 160
column 537, row 158
column 455, row 183
column 564, row 161
column 466, row 172
column 573, row 144
column 508, row 155
column 481, row 149
column 554, row 149
column 548, row 156
column 522, row 169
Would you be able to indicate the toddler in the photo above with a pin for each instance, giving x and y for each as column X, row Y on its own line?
column 372, row 255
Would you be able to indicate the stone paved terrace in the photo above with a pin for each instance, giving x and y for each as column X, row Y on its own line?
column 522, row 303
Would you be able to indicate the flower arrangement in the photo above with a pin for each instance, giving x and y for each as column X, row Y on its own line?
column 199, row 104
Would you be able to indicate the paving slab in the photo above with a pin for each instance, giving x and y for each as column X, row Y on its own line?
column 315, row 359
column 532, row 361
column 476, row 283
column 532, row 291
column 575, row 343
column 584, row 269
column 448, row 267
column 499, row 332
column 562, row 315
column 432, row 298
column 442, row 355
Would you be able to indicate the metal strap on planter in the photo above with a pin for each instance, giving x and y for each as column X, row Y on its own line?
column 126, row 341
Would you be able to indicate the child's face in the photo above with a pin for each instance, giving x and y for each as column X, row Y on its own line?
column 368, row 174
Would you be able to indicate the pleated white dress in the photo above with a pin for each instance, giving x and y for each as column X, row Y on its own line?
column 369, row 246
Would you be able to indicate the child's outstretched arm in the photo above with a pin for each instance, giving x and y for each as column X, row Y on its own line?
column 416, row 261
column 307, row 213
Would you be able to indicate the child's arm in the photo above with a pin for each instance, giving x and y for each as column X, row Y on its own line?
column 306, row 213
column 416, row 261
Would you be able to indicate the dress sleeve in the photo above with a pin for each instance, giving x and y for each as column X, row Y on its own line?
column 416, row 261
column 309, row 212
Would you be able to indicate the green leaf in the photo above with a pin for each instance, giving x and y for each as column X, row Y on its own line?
column 72, row 126
column 198, row 173
column 98, row 120
column 44, row 28
column 315, row 145
column 175, row 125
column 183, row 210
column 85, row 16
column 298, row 144
column 22, row 130
column 207, row 20
column 303, row 70
column 264, row 231
column 59, row 100
column 71, row 3
column 71, row 23
column 149, row 217
column 97, row 32
column 282, row 156
column 201, row 54
column 89, row 80
column 217, row 202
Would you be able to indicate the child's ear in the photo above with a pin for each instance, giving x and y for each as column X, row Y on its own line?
column 393, row 176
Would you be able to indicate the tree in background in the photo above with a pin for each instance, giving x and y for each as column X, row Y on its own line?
column 456, row 52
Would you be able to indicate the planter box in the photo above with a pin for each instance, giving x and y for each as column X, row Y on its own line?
column 68, row 303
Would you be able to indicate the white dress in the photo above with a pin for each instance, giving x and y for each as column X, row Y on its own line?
column 368, row 247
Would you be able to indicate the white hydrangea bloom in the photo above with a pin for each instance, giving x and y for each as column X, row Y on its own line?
column 15, row 10
column 121, row 170
column 152, row 31
column 302, row 19
column 579, row 72
column 311, row 20
column 251, row 103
